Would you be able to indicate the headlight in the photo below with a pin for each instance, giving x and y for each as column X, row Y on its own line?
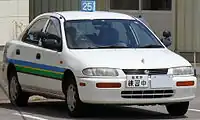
column 181, row 71
column 100, row 72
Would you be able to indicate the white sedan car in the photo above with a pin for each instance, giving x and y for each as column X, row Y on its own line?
column 96, row 58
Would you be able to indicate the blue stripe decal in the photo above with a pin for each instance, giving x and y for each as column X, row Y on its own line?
column 35, row 65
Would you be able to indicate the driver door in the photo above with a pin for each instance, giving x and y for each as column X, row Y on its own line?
column 50, row 59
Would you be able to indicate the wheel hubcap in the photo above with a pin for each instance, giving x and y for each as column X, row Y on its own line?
column 71, row 97
column 14, row 88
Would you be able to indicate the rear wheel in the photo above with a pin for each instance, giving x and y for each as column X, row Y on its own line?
column 178, row 109
column 16, row 95
column 75, row 106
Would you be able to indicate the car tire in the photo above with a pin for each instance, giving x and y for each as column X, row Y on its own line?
column 16, row 95
column 178, row 109
column 75, row 107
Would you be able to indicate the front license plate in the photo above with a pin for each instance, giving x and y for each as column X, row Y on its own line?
column 137, row 81
column 161, row 81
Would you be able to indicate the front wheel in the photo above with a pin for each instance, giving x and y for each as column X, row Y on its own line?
column 75, row 106
column 178, row 109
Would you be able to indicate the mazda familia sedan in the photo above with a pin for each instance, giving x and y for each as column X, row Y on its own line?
column 96, row 58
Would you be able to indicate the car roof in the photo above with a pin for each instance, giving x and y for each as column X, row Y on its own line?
column 81, row 15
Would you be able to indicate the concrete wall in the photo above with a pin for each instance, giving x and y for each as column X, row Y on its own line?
column 14, row 15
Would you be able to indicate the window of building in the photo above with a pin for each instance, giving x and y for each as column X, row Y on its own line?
column 146, row 4
column 156, row 4
column 124, row 4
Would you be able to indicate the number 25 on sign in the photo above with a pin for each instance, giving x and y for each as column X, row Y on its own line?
column 88, row 5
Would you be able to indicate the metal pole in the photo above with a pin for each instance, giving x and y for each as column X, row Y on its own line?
column 107, row 5
column 195, row 63
column 140, row 8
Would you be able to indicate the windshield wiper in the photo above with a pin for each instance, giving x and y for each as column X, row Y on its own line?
column 151, row 46
column 113, row 46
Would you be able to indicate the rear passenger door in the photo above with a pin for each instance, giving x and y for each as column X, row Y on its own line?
column 25, row 58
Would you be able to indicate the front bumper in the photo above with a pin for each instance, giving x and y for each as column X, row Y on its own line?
column 91, row 94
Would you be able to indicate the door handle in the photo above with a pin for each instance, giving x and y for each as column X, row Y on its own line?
column 38, row 56
column 17, row 52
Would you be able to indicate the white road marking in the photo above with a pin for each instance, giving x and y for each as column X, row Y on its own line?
column 29, row 116
column 194, row 110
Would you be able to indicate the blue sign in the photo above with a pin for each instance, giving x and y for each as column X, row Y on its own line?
column 88, row 5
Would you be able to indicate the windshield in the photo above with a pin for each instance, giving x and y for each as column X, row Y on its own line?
column 95, row 34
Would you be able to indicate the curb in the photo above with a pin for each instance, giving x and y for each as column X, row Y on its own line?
column 4, row 101
column 31, row 99
column 37, row 98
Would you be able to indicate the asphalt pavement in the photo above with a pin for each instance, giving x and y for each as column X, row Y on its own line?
column 56, row 110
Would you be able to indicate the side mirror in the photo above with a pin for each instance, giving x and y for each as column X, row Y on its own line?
column 51, row 41
column 52, row 44
column 166, row 40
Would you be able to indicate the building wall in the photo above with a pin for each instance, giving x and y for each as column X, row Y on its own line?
column 14, row 16
column 41, row 6
column 182, row 19
column 188, row 28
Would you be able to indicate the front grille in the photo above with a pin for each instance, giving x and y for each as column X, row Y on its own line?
column 142, row 71
column 147, row 94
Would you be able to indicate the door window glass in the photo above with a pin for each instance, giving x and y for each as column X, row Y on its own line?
column 31, row 35
column 53, row 29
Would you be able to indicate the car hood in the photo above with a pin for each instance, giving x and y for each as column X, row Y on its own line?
column 130, row 58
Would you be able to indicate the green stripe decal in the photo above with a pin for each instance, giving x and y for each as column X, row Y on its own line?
column 39, row 72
